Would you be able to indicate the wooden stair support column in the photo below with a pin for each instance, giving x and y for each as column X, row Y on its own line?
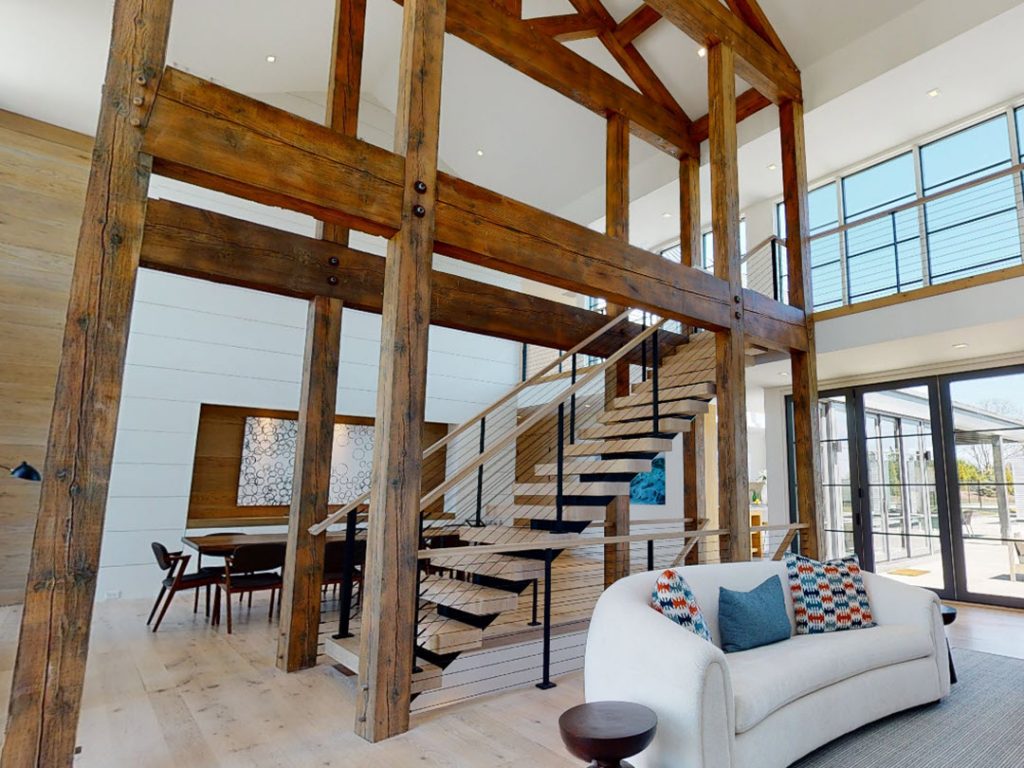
column 730, row 345
column 616, row 384
column 311, row 484
column 803, row 364
column 49, row 670
column 390, row 602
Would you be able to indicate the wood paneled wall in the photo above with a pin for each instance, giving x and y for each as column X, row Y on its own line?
column 214, row 495
column 43, row 173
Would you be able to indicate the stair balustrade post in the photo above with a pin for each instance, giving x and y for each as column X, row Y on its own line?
column 533, row 613
column 478, row 521
column 776, row 288
column 572, row 406
column 650, row 554
column 545, row 683
column 347, row 574
column 654, row 375
column 561, row 463
column 416, row 624
column 643, row 351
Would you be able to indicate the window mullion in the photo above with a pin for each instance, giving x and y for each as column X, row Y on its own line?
column 1018, row 188
column 922, row 219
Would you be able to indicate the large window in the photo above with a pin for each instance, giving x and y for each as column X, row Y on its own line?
column 974, row 230
column 826, row 271
column 883, row 255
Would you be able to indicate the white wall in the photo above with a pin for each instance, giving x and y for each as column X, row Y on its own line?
column 196, row 342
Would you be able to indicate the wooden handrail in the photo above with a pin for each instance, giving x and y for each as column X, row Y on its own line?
column 338, row 514
column 546, row 410
column 578, row 542
column 1018, row 168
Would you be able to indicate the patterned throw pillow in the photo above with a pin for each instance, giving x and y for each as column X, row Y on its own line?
column 672, row 597
column 828, row 597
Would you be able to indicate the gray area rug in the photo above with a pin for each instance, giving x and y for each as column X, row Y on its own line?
column 979, row 725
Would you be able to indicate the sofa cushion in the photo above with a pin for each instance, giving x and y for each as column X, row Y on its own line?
column 751, row 619
column 829, row 596
column 768, row 678
column 672, row 597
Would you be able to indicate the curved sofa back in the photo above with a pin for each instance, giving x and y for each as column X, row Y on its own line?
column 705, row 581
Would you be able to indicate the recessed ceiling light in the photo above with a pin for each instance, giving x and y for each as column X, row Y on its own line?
column 271, row 59
column 933, row 93
column 479, row 153
column 702, row 51
column 961, row 345
column 783, row 373
column 772, row 167
column 666, row 215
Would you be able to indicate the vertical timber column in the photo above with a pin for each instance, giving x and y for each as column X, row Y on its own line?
column 733, row 499
column 694, row 499
column 803, row 364
column 49, row 671
column 299, row 628
column 390, row 599
column 616, row 556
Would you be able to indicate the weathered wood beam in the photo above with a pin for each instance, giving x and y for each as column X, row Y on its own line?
column 208, row 135
column 629, row 58
column 803, row 363
column 748, row 103
column 638, row 22
column 490, row 28
column 299, row 626
column 49, row 669
column 694, row 491
column 710, row 23
column 689, row 212
column 755, row 18
column 390, row 578
column 566, row 27
column 212, row 246
column 730, row 345
column 616, row 556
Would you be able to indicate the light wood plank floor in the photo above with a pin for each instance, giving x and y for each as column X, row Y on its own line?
column 190, row 695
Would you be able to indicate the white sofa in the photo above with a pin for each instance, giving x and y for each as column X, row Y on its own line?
column 769, row 706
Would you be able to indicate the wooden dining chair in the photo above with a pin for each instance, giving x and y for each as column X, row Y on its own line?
column 174, row 565
column 334, row 566
column 250, row 568
column 218, row 569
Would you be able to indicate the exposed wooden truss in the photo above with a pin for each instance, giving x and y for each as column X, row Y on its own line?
column 189, row 129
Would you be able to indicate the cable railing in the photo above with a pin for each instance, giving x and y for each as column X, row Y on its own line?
column 966, row 229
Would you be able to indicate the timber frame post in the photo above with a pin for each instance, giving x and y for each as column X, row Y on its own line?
column 731, row 388
column 299, row 633
column 390, row 602
column 803, row 363
column 49, row 671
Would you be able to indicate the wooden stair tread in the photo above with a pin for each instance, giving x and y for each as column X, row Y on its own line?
column 501, row 566
column 666, row 426
column 702, row 390
column 669, row 380
column 571, row 488
column 522, row 514
column 345, row 652
column 611, row 447
column 594, row 467
column 510, row 534
column 675, row 408
column 466, row 596
column 440, row 634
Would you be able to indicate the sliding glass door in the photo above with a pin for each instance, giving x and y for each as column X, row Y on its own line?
column 921, row 479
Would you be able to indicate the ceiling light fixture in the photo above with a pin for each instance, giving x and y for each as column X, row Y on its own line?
column 271, row 59
column 783, row 373
column 772, row 167
column 666, row 215
column 479, row 153
column 961, row 345
column 933, row 93
column 702, row 51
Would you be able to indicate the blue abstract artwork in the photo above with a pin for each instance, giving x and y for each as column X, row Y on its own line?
column 649, row 487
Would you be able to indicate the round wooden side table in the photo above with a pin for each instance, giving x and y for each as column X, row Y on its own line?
column 605, row 733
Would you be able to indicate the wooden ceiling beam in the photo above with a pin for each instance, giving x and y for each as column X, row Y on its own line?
column 751, row 13
column 206, row 134
column 567, row 26
column 189, row 241
column 487, row 26
column 638, row 22
column 748, row 103
column 758, row 63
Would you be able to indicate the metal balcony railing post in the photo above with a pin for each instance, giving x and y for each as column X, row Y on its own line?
column 561, row 463
column 479, row 522
column 776, row 288
column 654, row 379
column 650, row 555
column 546, row 683
column 347, row 576
column 896, row 252
column 572, row 406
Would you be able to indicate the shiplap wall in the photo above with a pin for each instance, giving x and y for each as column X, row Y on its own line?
column 194, row 341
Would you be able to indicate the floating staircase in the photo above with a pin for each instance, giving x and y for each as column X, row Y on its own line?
column 462, row 593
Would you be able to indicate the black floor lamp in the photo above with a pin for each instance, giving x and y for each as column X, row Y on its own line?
column 24, row 471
